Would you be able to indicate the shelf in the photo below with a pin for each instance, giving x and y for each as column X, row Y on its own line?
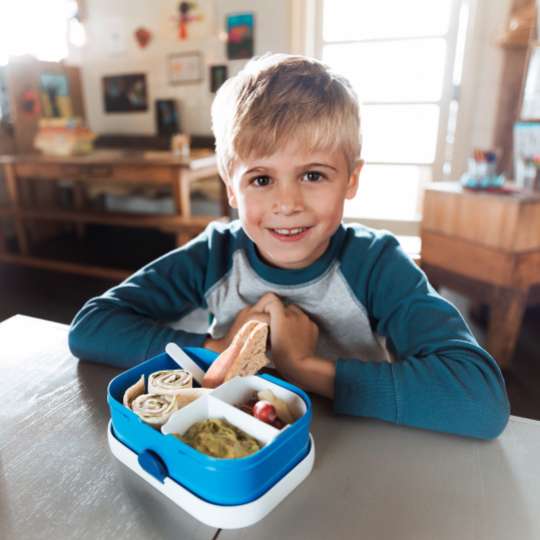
column 162, row 221
column 59, row 266
column 76, row 252
column 103, row 251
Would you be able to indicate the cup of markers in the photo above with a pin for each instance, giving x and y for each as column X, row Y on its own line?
column 482, row 171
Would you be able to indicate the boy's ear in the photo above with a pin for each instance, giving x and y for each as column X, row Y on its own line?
column 352, row 184
column 230, row 194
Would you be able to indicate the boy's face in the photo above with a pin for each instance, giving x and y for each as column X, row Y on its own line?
column 291, row 203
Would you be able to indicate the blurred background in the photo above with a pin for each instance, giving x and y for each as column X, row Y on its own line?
column 106, row 151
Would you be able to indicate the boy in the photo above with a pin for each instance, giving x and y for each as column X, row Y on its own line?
column 351, row 317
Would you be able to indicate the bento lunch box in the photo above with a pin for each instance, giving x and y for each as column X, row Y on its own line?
column 285, row 459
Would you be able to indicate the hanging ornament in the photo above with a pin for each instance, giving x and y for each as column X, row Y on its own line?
column 185, row 16
column 143, row 37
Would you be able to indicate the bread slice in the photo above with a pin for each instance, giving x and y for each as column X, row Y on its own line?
column 244, row 356
column 252, row 356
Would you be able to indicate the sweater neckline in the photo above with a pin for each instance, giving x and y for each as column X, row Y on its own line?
column 286, row 276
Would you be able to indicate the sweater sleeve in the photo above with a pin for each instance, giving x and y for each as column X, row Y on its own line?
column 130, row 322
column 440, row 379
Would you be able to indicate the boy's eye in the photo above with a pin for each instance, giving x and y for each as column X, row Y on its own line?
column 261, row 181
column 313, row 176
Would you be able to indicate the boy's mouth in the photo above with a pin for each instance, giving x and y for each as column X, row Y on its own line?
column 289, row 234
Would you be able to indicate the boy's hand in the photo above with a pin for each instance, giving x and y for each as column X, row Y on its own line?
column 293, row 336
column 249, row 313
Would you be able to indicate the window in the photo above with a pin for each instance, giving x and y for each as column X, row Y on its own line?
column 35, row 27
column 404, row 60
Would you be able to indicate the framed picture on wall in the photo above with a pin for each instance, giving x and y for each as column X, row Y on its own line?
column 218, row 75
column 240, row 35
column 185, row 67
column 125, row 93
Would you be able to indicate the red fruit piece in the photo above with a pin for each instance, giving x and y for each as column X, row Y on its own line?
column 263, row 410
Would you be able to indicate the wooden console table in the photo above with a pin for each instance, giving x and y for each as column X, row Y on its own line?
column 486, row 245
column 110, row 166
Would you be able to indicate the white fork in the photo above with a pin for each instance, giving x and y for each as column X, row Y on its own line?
column 184, row 361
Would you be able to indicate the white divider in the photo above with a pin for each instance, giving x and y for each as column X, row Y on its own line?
column 211, row 407
column 240, row 389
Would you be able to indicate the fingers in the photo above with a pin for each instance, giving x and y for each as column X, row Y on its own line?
column 274, row 308
column 270, row 305
column 261, row 317
column 265, row 300
column 294, row 308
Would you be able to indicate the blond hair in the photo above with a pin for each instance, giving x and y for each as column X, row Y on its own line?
column 279, row 98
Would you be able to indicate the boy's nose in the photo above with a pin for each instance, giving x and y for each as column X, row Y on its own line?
column 289, row 201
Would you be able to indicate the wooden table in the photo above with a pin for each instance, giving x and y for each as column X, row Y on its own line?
column 370, row 480
column 112, row 167
column 486, row 245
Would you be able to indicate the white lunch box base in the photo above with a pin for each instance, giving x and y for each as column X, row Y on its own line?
column 215, row 515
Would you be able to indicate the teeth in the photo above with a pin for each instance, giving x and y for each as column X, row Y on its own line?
column 289, row 232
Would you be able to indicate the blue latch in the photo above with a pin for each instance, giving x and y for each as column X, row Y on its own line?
column 153, row 465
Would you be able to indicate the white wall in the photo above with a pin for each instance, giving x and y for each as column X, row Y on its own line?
column 481, row 80
column 98, row 58
column 273, row 21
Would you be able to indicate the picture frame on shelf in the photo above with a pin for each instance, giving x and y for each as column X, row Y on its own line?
column 55, row 95
column 167, row 120
column 184, row 68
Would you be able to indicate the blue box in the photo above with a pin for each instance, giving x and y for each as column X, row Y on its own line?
column 218, row 481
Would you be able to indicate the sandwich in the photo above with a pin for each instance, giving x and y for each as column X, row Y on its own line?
column 246, row 355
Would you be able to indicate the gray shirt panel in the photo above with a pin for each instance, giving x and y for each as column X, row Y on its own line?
column 344, row 328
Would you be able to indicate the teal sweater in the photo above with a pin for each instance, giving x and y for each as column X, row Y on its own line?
column 403, row 354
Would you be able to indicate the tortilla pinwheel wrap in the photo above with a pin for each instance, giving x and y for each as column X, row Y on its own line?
column 169, row 382
column 154, row 409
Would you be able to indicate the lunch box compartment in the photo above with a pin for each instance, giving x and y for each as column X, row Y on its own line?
column 239, row 390
column 210, row 407
column 218, row 481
